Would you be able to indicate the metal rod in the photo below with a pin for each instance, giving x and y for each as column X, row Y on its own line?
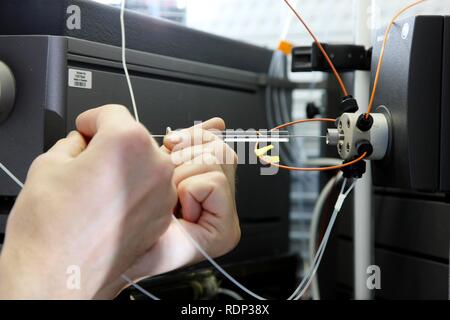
column 364, row 246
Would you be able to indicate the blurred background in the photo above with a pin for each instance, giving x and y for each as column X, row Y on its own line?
column 264, row 22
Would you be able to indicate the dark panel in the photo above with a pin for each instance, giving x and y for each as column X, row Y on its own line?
column 414, row 226
column 402, row 277
column 3, row 219
column 410, row 87
column 261, row 240
column 101, row 23
column 22, row 134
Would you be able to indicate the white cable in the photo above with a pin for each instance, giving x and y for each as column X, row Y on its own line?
column 13, row 177
column 341, row 199
column 231, row 294
column 138, row 287
column 315, row 220
column 307, row 279
column 124, row 59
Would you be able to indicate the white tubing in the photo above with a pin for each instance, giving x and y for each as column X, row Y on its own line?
column 138, row 287
column 13, row 177
column 318, row 258
column 340, row 202
column 124, row 59
column 231, row 294
column 315, row 220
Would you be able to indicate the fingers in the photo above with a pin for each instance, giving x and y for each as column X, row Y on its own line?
column 213, row 124
column 113, row 128
column 72, row 146
column 224, row 153
column 111, row 117
column 206, row 193
column 203, row 158
column 203, row 133
column 202, row 164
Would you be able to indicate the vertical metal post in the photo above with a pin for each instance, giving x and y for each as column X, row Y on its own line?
column 363, row 228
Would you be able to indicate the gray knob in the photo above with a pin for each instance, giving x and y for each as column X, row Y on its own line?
column 7, row 91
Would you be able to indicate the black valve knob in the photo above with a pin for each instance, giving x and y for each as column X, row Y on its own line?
column 312, row 110
column 365, row 122
column 349, row 104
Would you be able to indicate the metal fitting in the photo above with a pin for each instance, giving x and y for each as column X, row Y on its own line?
column 349, row 138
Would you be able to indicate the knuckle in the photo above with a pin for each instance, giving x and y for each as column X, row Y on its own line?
column 114, row 108
column 133, row 138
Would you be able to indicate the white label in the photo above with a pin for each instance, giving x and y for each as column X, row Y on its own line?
column 80, row 79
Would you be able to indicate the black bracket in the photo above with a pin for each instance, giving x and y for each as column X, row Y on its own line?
column 345, row 58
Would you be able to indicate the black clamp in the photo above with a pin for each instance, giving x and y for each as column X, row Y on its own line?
column 312, row 110
column 349, row 104
column 358, row 169
column 354, row 171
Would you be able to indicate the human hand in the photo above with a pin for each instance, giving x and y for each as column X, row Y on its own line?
column 99, row 206
column 205, row 182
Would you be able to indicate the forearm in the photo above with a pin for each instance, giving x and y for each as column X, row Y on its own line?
column 22, row 279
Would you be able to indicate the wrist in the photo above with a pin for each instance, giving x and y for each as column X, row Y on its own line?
column 21, row 280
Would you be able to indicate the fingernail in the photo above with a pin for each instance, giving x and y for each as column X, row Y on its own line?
column 174, row 138
column 72, row 134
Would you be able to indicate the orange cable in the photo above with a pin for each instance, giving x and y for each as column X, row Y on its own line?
column 383, row 50
column 319, row 45
column 283, row 126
